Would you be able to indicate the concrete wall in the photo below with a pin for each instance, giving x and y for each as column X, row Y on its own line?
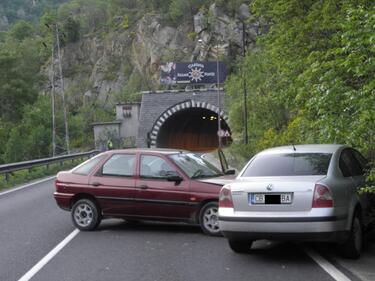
column 104, row 131
column 128, row 114
column 156, row 104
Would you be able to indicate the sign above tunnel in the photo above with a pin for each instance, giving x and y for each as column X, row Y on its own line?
column 192, row 73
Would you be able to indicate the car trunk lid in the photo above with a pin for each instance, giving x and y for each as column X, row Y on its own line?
column 299, row 188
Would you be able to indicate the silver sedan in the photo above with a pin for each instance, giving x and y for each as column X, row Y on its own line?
column 302, row 192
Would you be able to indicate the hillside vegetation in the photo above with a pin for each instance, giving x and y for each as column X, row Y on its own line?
column 309, row 78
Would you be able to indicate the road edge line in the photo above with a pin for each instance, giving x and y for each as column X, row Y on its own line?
column 26, row 185
column 328, row 267
column 36, row 268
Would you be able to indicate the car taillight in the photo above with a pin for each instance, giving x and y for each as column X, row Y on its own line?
column 225, row 198
column 58, row 185
column 322, row 197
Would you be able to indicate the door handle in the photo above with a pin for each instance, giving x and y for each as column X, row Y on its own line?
column 143, row 186
column 95, row 183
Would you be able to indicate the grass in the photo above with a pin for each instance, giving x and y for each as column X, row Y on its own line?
column 24, row 176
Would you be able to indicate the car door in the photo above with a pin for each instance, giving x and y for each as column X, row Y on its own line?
column 114, row 184
column 157, row 197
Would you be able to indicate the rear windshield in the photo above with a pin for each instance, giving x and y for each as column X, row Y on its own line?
column 291, row 164
column 86, row 167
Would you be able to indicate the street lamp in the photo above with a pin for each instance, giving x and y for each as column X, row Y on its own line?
column 219, row 131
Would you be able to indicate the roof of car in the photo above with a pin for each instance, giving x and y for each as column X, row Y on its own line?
column 155, row 150
column 315, row 148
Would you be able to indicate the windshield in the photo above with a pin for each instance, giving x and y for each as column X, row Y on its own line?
column 194, row 166
column 291, row 164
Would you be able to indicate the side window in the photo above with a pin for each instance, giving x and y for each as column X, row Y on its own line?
column 155, row 167
column 349, row 165
column 121, row 165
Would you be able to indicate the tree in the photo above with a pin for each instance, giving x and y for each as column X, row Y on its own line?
column 314, row 70
column 21, row 30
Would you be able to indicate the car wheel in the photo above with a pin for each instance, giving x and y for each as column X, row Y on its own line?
column 85, row 215
column 209, row 219
column 129, row 221
column 240, row 246
column 353, row 245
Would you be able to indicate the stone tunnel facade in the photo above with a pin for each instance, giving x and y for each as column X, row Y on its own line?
column 159, row 108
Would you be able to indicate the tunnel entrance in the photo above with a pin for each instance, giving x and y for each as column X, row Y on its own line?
column 193, row 129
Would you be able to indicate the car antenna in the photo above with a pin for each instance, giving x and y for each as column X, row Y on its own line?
column 294, row 148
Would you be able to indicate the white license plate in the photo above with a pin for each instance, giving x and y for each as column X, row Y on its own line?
column 261, row 198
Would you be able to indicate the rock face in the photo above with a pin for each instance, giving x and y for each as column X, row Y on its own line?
column 98, row 67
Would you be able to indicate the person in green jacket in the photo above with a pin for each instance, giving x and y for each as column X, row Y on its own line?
column 109, row 144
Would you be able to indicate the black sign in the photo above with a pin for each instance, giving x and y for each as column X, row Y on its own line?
column 192, row 73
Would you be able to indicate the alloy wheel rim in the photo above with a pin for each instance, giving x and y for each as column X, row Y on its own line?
column 211, row 220
column 83, row 214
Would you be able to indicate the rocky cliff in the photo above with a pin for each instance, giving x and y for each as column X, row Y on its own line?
column 102, row 67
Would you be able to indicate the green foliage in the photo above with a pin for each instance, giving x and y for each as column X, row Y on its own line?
column 71, row 29
column 312, row 78
column 15, row 10
column 125, row 22
column 21, row 30
column 192, row 35
column 31, row 138
column 20, row 62
column 130, row 93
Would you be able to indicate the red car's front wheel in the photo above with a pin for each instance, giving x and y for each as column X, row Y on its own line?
column 209, row 219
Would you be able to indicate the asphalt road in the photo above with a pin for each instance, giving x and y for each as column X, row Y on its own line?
column 31, row 225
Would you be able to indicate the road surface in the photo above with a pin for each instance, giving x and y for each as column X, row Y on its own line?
column 32, row 225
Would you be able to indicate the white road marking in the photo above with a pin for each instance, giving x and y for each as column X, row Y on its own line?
column 327, row 266
column 35, row 269
column 26, row 185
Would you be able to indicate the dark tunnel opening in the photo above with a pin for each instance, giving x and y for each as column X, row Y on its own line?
column 193, row 129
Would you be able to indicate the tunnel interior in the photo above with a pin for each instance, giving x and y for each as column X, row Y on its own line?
column 193, row 129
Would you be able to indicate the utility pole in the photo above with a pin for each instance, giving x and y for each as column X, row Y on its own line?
column 53, row 100
column 244, row 81
column 62, row 91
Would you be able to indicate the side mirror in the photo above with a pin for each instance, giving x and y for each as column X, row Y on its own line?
column 176, row 178
column 230, row 172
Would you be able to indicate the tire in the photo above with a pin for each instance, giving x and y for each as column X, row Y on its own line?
column 240, row 246
column 85, row 215
column 132, row 221
column 209, row 219
column 352, row 247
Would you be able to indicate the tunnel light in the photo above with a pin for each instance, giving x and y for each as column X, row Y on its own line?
column 204, row 117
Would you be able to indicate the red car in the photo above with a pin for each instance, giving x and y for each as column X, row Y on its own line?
column 137, row 184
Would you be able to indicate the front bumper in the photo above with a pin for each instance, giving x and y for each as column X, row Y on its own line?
column 290, row 228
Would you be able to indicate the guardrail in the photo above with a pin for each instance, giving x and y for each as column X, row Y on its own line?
column 9, row 168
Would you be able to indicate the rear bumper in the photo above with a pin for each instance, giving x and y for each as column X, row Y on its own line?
column 63, row 200
column 299, row 228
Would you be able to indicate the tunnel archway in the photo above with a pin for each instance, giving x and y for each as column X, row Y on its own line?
column 190, row 125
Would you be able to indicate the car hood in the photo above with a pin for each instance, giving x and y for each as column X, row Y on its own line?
column 219, row 180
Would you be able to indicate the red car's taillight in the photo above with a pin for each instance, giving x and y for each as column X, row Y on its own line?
column 225, row 198
column 322, row 197
column 58, row 185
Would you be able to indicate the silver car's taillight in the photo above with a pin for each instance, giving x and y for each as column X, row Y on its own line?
column 225, row 198
column 322, row 197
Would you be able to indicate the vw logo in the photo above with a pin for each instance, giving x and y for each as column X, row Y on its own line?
column 269, row 187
